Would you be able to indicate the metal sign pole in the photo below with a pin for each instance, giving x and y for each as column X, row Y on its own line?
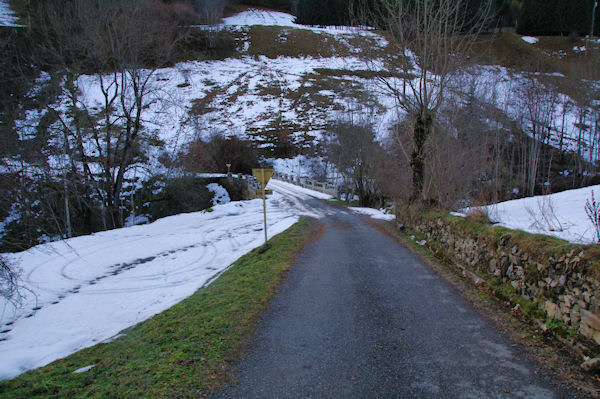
column 265, row 211
column 263, row 176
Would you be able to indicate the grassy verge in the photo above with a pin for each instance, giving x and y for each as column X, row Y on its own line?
column 185, row 351
column 341, row 203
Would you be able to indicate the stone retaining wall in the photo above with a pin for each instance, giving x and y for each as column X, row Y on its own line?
column 561, row 278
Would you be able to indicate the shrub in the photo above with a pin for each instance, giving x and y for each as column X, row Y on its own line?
column 592, row 209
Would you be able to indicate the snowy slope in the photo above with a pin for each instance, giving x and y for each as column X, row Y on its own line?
column 87, row 289
column 561, row 215
column 504, row 88
column 255, row 97
column 249, row 97
column 255, row 16
column 246, row 97
column 7, row 16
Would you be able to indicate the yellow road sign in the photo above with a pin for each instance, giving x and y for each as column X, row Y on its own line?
column 263, row 175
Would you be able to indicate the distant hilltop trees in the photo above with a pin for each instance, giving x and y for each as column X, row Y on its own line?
column 342, row 12
column 531, row 17
column 557, row 17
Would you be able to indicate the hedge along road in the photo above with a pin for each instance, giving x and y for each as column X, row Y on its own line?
column 361, row 316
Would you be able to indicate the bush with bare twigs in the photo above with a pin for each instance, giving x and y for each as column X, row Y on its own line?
column 592, row 209
column 544, row 217
column 9, row 276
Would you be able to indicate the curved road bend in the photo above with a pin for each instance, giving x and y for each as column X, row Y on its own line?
column 360, row 316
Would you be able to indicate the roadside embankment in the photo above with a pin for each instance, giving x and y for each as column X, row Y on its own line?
column 544, row 277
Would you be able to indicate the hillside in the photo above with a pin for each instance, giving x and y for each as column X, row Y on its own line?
column 114, row 205
column 283, row 86
column 290, row 81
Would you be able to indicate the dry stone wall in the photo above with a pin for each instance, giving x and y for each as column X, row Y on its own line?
column 564, row 285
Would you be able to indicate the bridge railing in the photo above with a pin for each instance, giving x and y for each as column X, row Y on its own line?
column 252, row 185
column 305, row 182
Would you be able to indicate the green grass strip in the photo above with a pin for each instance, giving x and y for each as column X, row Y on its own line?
column 182, row 352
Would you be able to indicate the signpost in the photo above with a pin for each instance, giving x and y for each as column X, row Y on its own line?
column 263, row 176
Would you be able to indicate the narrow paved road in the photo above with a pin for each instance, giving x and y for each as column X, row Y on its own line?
column 360, row 316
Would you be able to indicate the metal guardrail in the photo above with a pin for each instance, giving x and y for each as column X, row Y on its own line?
column 305, row 182
column 253, row 185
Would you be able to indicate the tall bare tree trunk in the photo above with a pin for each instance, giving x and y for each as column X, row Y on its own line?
column 421, row 131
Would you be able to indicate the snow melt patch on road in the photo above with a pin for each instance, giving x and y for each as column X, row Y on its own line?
column 561, row 215
column 374, row 213
column 87, row 289
column 255, row 16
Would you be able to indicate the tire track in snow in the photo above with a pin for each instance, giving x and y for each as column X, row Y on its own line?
column 155, row 261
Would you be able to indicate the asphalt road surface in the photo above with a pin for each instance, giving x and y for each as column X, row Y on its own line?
column 361, row 317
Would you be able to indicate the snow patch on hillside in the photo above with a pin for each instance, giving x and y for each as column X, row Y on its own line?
column 255, row 16
column 506, row 89
column 7, row 16
column 530, row 40
column 241, row 97
column 276, row 18
column 305, row 166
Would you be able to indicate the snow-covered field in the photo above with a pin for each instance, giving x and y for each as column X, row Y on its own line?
column 87, row 289
column 241, row 96
column 507, row 89
column 561, row 215
column 244, row 97
column 530, row 39
column 374, row 213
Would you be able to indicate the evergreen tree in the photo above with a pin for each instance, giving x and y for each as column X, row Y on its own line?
column 537, row 17
column 556, row 17
column 475, row 12
column 323, row 12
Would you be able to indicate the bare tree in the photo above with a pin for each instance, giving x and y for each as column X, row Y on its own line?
column 460, row 157
column 124, row 42
column 585, row 92
column 538, row 104
column 9, row 286
column 210, row 11
column 592, row 210
column 430, row 40
column 352, row 148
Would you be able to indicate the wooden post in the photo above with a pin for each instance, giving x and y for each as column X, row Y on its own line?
column 265, row 212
